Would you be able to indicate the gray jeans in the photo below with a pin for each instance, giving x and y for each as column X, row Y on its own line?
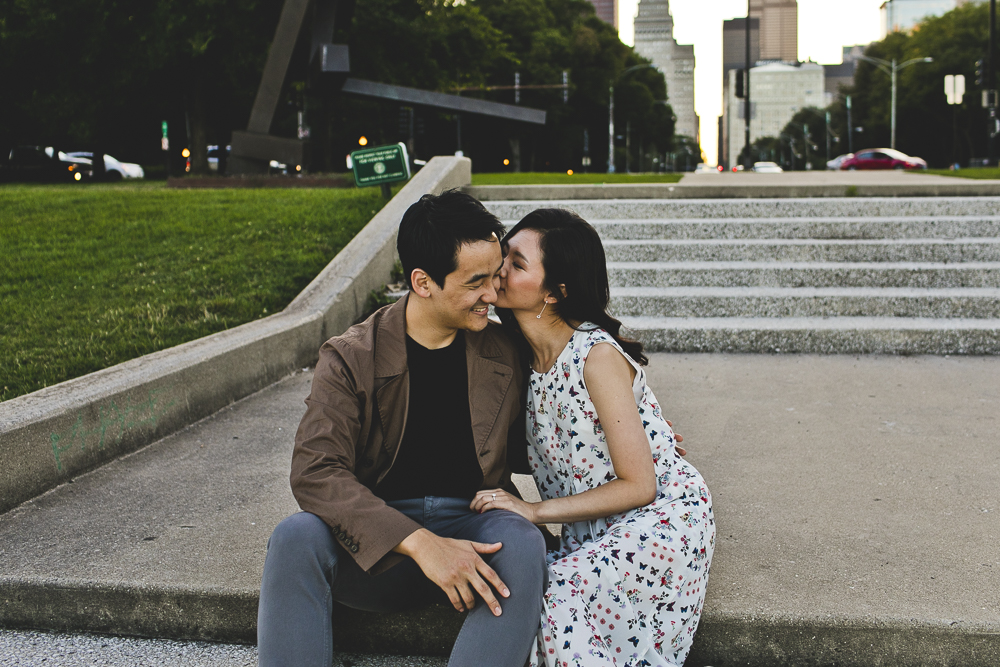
column 306, row 570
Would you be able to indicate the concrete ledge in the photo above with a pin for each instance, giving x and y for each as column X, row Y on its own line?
column 49, row 436
column 960, row 188
column 766, row 642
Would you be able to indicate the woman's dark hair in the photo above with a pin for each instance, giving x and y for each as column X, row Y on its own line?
column 572, row 255
column 435, row 227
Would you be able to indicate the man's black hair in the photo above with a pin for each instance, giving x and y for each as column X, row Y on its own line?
column 435, row 228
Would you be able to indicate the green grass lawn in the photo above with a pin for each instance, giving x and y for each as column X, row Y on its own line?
column 979, row 172
column 95, row 275
column 545, row 178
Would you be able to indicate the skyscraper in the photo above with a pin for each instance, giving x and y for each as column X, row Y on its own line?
column 654, row 39
column 734, row 39
column 779, row 29
column 903, row 15
column 607, row 11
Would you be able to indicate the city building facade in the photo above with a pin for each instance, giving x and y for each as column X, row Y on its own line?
column 734, row 39
column 842, row 75
column 904, row 15
column 778, row 92
column 654, row 39
column 779, row 29
column 607, row 11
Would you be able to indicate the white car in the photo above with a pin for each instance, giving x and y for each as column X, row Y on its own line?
column 116, row 170
column 835, row 163
column 703, row 168
column 767, row 168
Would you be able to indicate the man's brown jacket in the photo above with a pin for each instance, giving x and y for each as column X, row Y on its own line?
column 355, row 418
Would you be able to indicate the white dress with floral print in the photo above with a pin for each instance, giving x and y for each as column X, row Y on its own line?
column 628, row 589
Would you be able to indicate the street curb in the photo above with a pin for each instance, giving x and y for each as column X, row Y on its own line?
column 52, row 435
column 722, row 640
column 732, row 191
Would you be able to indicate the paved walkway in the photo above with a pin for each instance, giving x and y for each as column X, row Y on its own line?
column 845, row 178
column 855, row 497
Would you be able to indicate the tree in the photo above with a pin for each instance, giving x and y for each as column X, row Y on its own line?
column 955, row 40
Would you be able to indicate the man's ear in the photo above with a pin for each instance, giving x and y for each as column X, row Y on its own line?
column 421, row 283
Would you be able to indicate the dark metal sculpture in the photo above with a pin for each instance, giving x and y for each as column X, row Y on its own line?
column 255, row 147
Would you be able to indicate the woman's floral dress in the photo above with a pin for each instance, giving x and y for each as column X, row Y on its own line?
column 628, row 589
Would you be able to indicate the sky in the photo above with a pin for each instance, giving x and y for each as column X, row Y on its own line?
column 824, row 28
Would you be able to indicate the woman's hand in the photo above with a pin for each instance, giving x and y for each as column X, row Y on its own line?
column 498, row 499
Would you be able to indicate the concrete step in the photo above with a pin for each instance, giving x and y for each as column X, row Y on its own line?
column 972, row 303
column 804, row 274
column 846, row 207
column 805, row 250
column 924, row 227
column 170, row 541
column 818, row 335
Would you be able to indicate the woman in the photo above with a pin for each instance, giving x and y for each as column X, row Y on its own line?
column 627, row 584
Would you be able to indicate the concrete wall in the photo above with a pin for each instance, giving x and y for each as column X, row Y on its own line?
column 52, row 435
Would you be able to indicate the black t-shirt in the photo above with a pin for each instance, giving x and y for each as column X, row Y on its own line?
column 438, row 454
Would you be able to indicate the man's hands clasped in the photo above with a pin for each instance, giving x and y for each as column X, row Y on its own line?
column 457, row 568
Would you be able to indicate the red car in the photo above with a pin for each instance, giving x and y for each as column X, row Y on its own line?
column 882, row 158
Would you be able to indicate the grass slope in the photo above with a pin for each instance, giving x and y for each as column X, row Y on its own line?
column 978, row 173
column 545, row 178
column 93, row 276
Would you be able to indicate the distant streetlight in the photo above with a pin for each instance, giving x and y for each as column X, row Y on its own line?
column 611, row 115
column 890, row 68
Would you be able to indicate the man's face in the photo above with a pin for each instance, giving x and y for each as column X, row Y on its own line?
column 463, row 302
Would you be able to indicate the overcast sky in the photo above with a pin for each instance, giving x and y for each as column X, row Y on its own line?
column 824, row 27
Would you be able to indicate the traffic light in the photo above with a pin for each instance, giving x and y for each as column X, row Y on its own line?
column 740, row 81
column 980, row 73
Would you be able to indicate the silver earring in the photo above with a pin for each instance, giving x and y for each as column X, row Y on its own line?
column 539, row 315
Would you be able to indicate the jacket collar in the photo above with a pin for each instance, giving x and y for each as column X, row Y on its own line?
column 390, row 345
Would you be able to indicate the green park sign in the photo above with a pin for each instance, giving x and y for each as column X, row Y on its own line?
column 381, row 165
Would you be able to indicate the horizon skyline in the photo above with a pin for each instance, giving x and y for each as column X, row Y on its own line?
column 822, row 36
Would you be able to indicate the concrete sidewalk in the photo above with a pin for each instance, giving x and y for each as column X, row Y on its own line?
column 856, row 501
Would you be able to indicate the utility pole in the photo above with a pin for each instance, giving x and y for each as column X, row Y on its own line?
column 990, row 84
column 611, row 130
column 850, row 129
column 746, row 94
column 891, row 68
column 827, row 136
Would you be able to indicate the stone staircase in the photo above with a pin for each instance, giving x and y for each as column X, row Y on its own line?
column 874, row 275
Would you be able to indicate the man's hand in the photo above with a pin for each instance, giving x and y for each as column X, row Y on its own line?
column 456, row 567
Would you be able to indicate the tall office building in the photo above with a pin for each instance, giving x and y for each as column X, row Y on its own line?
column 779, row 29
column 607, row 11
column 654, row 39
column 734, row 39
column 778, row 92
column 904, row 15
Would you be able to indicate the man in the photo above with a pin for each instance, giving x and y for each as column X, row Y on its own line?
column 408, row 417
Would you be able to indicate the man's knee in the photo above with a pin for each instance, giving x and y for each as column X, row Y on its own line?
column 301, row 533
column 523, row 543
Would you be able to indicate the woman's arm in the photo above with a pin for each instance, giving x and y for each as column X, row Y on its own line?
column 608, row 376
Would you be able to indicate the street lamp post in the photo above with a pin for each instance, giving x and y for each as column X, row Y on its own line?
column 891, row 68
column 611, row 115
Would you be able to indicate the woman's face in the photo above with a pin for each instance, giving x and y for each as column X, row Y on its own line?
column 522, row 276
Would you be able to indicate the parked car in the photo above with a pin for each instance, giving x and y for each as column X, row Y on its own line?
column 882, row 158
column 703, row 168
column 767, row 168
column 835, row 163
column 114, row 170
column 45, row 164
